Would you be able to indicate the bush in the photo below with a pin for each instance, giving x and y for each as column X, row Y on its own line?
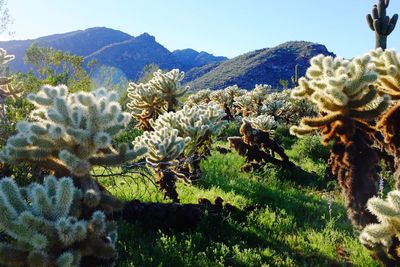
column 231, row 129
column 310, row 147
column 283, row 137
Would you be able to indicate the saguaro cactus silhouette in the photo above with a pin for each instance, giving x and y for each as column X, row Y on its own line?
column 381, row 24
column 347, row 99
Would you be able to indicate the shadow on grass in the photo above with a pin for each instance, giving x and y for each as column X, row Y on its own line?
column 273, row 191
column 223, row 242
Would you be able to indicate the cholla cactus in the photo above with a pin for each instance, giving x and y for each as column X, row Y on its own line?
column 250, row 104
column 200, row 97
column 340, row 88
column 146, row 103
column 45, row 226
column 379, row 236
column 387, row 65
column 6, row 90
column 245, row 106
column 164, row 147
column 199, row 123
column 345, row 95
column 168, row 84
column 70, row 134
column 265, row 123
column 185, row 135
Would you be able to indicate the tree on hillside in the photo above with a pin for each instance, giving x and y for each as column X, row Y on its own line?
column 56, row 67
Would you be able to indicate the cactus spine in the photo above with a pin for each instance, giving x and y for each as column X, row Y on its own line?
column 381, row 24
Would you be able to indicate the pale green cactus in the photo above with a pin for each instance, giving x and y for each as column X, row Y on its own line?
column 177, row 141
column 264, row 123
column 70, row 130
column 198, row 98
column 70, row 134
column 388, row 214
column 46, row 228
column 164, row 145
column 198, row 123
column 245, row 105
column 250, row 103
column 169, row 85
column 339, row 88
column 387, row 65
column 6, row 89
column 4, row 57
column 146, row 103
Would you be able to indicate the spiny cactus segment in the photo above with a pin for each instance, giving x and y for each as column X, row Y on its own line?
column 46, row 227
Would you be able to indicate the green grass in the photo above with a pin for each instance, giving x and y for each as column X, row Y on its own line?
column 293, row 227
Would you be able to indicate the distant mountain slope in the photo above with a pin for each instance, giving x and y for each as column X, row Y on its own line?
column 264, row 66
column 190, row 58
column 78, row 42
column 132, row 55
column 113, row 48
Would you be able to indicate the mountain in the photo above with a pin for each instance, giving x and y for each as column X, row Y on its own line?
column 263, row 66
column 190, row 58
column 80, row 43
column 113, row 48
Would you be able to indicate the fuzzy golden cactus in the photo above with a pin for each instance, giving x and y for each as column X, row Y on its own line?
column 70, row 133
column 347, row 100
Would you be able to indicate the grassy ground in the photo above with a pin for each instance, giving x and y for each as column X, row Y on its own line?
column 293, row 227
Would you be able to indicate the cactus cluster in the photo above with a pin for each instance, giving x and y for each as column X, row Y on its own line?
column 198, row 123
column 178, row 142
column 45, row 226
column 381, row 24
column 159, row 95
column 70, row 133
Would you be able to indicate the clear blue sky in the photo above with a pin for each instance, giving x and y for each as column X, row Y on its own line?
column 222, row 27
